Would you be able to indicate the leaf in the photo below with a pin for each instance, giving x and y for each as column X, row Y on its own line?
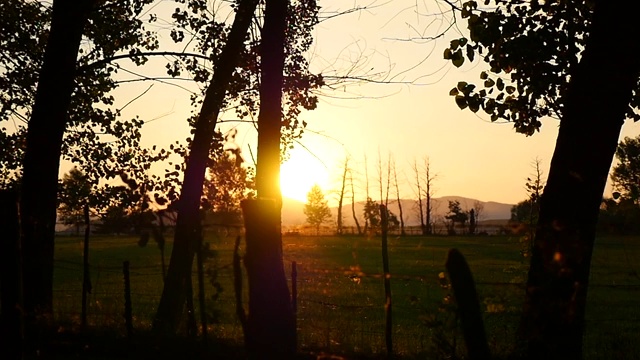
column 461, row 85
column 470, row 52
column 447, row 54
column 489, row 83
column 457, row 59
column 500, row 84
column 454, row 92
column 484, row 75
column 461, row 101
column 510, row 90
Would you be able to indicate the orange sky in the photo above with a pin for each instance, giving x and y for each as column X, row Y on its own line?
column 472, row 156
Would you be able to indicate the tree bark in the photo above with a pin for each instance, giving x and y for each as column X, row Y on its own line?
column 601, row 87
column 188, row 223
column 270, row 323
column 43, row 149
column 11, row 324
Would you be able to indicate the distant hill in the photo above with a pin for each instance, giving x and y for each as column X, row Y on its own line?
column 292, row 210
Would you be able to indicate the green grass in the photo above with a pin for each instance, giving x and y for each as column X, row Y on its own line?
column 340, row 290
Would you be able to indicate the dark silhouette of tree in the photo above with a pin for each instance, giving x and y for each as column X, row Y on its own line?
column 43, row 148
column 343, row 186
column 316, row 209
column 395, row 183
column 472, row 222
column 353, row 204
column 74, row 194
column 626, row 174
column 188, row 226
column 561, row 54
column 372, row 215
column 455, row 215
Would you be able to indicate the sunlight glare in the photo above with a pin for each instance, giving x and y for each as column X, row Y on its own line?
column 300, row 173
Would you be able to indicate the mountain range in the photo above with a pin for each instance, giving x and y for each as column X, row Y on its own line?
column 293, row 214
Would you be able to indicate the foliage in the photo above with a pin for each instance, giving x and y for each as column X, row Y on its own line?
column 227, row 183
column 525, row 212
column 626, row 174
column 619, row 217
column 97, row 140
column 455, row 215
column 529, row 63
column 316, row 208
column 195, row 23
column 73, row 196
column 372, row 216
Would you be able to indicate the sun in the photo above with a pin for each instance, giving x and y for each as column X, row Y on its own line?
column 300, row 173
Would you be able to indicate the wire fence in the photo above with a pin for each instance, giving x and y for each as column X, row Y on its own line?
column 342, row 309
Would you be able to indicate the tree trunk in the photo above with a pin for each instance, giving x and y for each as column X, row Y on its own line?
column 43, row 148
column 601, row 87
column 344, row 183
column 11, row 325
column 270, row 324
column 188, row 223
column 353, row 206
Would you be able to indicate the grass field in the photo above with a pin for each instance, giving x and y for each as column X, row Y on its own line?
column 341, row 298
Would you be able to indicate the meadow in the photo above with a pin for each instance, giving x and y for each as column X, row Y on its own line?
column 341, row 298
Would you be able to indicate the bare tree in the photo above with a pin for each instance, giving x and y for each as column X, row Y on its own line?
column 366, row 179
column 429, row 191
column 395, row 180
column 345, row 169
column 478, row 208
column 418, row 185
column 353, row 203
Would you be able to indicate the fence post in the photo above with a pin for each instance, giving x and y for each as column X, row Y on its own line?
column 127, row 299
column 464, row 290
column 388, row 331
column 294, row 298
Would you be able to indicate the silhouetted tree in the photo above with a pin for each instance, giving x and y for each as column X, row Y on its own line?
column 73, row 196
column 455, row 215
column 558, row 55
column 626, row 174
column 316, row 209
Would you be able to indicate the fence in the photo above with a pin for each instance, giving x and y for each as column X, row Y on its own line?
column 341, row 308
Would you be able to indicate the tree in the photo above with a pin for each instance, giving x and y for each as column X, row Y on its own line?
column 73, row 196
column 542, row 42
column 227, row 183
column 455, row 215
column 478, row 207
column 372, row 216
column 188, row 220
column 353, row 203
column 473, row 222
column 626, row 174
column 424, row 181
column 316, row 209
column 395, row 182
column 345, row 170
column 43, row 146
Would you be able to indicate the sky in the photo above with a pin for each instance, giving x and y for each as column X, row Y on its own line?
column 409, row 117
